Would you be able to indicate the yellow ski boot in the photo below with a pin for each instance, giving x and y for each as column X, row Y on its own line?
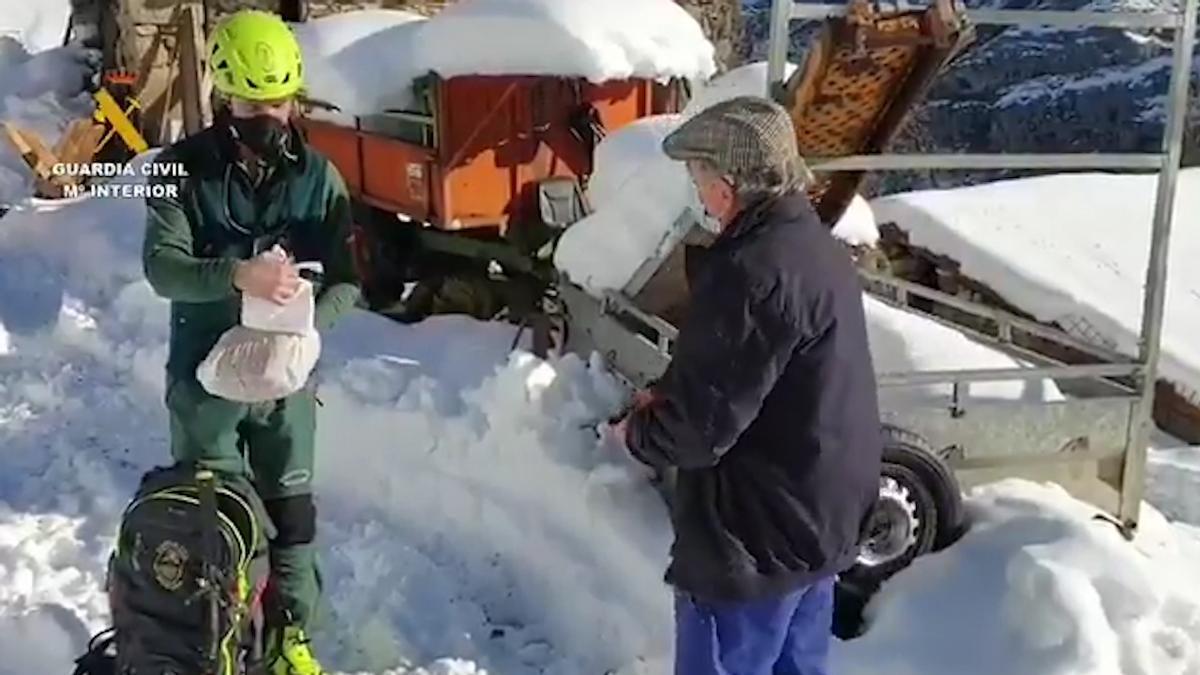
column 288, row 653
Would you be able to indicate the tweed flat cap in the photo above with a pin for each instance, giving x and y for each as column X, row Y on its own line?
column 741, row 136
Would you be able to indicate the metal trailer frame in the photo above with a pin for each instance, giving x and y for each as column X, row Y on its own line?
column 1096, row 444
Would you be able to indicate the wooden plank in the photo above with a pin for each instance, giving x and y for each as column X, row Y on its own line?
column 197, row 113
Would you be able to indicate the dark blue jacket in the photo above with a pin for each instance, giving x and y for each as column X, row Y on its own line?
column 768, row 410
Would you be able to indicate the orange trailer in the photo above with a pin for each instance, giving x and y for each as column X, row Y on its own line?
column 474, row 152
column 465, row 172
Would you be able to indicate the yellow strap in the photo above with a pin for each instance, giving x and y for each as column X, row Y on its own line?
column 120, row 121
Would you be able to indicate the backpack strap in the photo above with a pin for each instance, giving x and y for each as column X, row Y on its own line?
column 97, row 660
column 209, row 528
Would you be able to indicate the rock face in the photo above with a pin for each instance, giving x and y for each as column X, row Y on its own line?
column 1030, row 90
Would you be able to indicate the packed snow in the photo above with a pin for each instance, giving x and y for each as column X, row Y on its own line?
column 354, row 52
column 643, row 202
column 1071, row 249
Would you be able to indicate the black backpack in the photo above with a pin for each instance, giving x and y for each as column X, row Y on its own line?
column 186, row 580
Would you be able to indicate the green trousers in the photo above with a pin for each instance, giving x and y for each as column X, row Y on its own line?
column 271, row 443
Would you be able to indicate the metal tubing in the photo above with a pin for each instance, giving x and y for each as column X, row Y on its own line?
column 927, row 377
column 777, row 46
column 1156, row 271
column 983, row 161
column 1026, row 18
column 997, row 315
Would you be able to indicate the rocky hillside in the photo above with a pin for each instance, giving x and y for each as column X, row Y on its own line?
column 1030, row 89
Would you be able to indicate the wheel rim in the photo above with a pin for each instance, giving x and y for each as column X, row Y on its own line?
column 893, row 527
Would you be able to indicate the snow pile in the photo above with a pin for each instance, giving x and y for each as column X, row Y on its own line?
column 36, row 26
column 643, row 202
column 610, row 40
column 1070, row 249
column 1037, row 586
column 41, row 93
column 350, row 54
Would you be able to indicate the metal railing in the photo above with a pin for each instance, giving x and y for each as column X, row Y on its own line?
column 1167, row 162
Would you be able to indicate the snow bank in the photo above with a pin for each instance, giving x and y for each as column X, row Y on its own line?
column 1070, row 249
column 352, row 53
column 638, row 194
column 42, row 93
column 1037, row 586
column 37, row 25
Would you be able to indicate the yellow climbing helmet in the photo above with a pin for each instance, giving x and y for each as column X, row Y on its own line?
column 254, row 55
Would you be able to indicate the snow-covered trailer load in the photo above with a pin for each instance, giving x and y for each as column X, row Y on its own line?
column 943, row 427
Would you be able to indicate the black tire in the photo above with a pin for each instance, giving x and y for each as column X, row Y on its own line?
column 919, row 511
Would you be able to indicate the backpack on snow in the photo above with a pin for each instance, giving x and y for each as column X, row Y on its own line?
column 185, row 582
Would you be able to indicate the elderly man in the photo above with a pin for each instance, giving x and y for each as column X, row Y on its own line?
column 768, row 410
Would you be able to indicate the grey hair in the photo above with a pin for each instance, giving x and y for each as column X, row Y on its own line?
column 767, row 183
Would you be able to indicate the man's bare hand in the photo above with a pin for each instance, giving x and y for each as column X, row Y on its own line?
column 267, row 278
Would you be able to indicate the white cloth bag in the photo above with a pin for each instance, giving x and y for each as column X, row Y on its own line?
column 271, row 354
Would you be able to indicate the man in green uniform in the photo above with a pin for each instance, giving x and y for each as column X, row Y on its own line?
column 252, row 183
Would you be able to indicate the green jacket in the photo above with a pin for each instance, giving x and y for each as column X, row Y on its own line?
column 218, row 217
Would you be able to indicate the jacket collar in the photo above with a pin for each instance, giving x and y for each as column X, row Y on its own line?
column 785, row 208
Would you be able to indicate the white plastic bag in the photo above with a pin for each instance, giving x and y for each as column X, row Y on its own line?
column 252, row 366
column 298, row 316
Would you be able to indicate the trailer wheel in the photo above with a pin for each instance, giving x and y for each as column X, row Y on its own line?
column 919, row 510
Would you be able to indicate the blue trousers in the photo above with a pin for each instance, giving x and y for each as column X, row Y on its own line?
column 783, row 635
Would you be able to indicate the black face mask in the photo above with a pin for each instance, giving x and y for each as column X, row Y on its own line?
column 264, row 135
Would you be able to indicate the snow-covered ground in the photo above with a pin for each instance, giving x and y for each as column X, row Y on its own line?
column 353, row 53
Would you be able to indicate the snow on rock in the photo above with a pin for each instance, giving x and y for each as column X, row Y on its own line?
column 36, row 26
column 39, row 92
column 351, row 53
column 1037, row 585
column 1070, row 249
